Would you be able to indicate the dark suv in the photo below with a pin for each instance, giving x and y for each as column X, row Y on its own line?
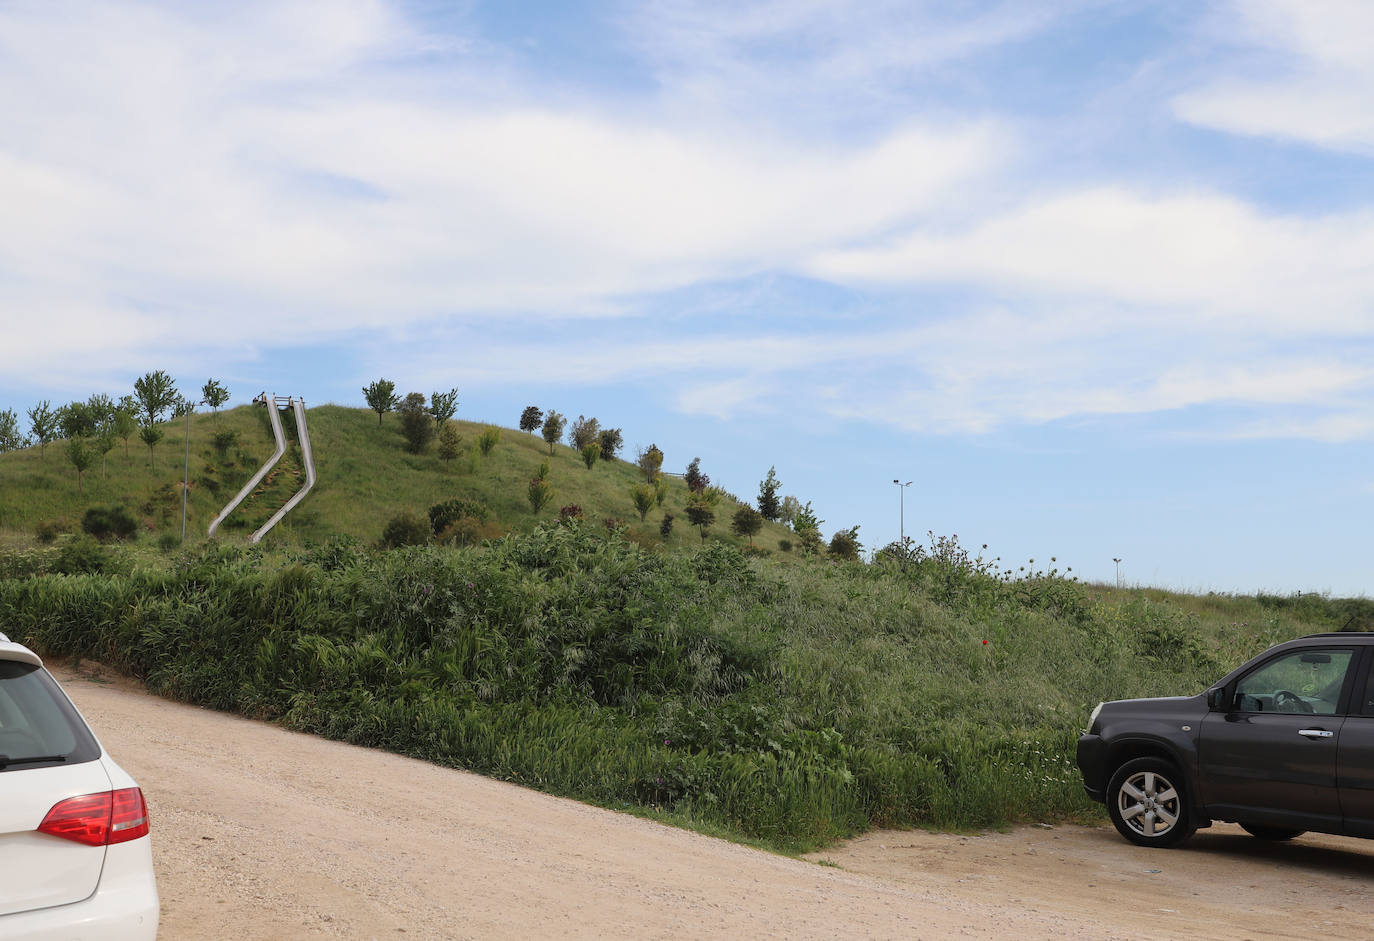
column 1282, row 744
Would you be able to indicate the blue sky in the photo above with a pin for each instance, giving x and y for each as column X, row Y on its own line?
column 1096, row 276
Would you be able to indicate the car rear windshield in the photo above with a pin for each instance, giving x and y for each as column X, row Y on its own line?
column 38, row 726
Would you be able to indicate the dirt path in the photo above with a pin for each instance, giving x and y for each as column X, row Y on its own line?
column 265, row 834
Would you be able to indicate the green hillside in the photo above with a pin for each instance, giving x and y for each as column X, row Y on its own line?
column 365, row 476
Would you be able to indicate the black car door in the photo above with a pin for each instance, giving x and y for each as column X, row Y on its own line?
column 1271, row 758
column 1355, row 760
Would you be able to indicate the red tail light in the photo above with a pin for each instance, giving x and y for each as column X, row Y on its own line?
column 99, row 819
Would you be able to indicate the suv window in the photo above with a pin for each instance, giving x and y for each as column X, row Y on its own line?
column 1302, row 682
column 36, row 721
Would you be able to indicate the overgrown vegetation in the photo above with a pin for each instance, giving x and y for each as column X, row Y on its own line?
column 790, row 703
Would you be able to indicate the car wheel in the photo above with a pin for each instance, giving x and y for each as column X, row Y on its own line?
column 1148, row 803
column 1277, row 834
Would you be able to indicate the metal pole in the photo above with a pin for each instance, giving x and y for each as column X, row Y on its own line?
column 901, row 489
column 186, row 475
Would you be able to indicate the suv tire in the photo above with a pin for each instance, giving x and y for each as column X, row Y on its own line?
column 1149, row 804
column 1276, row 834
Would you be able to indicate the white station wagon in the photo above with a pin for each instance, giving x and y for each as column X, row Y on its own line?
column 76, row 861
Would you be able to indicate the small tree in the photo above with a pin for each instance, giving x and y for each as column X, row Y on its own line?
column 660, row 489
column 415, row 423
column 700, row 514
column 381, row 397
column 611, row 441
column 43, row 425
column 787, row 512
column 807, row 526
column 156, row 393
column 488, row 440
column 590, row 453
column 531, row 418
column 76, row 420
column 665, row 526
column 697, row 482
column 642, row 495
column 650, row 462
column 151, row 435
column 746, row 522
column 10, row 438
column 583, row 432
column 553, row 428
column 540, row 494
column 449, row 441
column 845, row 544
column 443, row 406
column 182, row 407
column 214, row 395
column 81, row 456
column 769, row 504
column 124, row 422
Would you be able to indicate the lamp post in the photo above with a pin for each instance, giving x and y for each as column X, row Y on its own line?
column 901, row 520
column 1118, row 571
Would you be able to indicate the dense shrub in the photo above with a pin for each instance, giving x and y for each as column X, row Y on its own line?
column 442, row 514
column 794, row 703
column 406, row 529
column 105, row 523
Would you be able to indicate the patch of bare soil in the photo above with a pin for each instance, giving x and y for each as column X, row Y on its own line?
column 261, row 833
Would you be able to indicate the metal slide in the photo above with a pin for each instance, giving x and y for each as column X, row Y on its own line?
column 306, row 455
column 273, row 405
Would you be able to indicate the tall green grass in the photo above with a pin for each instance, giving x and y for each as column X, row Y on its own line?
column 792, row 704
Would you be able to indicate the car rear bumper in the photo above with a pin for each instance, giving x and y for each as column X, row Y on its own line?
column 1092, row 761
column 124, row 907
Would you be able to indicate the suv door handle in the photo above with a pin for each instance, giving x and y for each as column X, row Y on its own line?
column 1315, row 733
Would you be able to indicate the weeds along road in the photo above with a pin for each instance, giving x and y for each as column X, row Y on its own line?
column 260, row 833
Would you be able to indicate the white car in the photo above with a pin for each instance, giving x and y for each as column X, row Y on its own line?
column 76, row 861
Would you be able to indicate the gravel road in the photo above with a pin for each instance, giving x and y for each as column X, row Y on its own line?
column 261, row 833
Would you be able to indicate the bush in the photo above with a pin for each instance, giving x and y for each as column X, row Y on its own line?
column 570, row 513
column 168, row 541
column 47, row 531
column 83, row 555
column 416, row 423
column 442, row 514
column 488, row 439
column 590, row 453
column 650, row 463
column 468, row 531
column 540, row 494
column 785, row 545
column 114, row 522
column 845, row 544
column 406, row 528
column 223, row 441
column 665, row 526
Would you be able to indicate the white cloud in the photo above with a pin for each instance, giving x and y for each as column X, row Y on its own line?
column 226, row 173
column 1317, row 76
column 1172, row 259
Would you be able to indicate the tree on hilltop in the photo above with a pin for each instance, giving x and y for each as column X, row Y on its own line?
column 611, row 441
column 415, row 422
column 747, row 522
column 156, row 393
column 583, row 432
column 553, row 428
column 443, row 406
column 214, row 396
column 531, row 418
column 769, row 505
column 43, row 425
column 381, row 397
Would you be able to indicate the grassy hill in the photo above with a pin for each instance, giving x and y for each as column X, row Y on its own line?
column 365, row 477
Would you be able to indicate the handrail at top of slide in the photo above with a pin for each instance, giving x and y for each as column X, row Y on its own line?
column 262, row 471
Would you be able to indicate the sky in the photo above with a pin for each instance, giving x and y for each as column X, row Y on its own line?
column 1096, row 277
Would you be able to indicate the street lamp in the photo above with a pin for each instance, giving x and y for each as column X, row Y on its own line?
column 901, row 489
column 1118, row 571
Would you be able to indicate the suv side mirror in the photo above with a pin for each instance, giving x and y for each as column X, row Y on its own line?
column 1216, row 699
